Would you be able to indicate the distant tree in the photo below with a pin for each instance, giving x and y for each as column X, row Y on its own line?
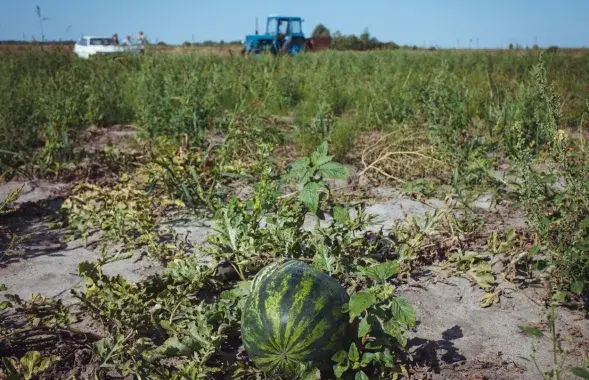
column 552, row 49
column 161, row 43
column 321, row 31
column 510, row 46
column 186, row 43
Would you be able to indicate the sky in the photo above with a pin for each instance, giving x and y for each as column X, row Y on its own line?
column 441, row 23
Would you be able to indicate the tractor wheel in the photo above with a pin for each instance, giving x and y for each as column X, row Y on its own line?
column 293, row 47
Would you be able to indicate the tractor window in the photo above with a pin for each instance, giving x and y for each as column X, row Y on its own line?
column 271, row 27
column 283, row 27
column 295, row 27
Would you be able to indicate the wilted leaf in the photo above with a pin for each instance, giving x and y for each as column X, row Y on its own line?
column 403, row 312
column 481, row 274
column 489, row 299
column 359, row 302
column 29, row 362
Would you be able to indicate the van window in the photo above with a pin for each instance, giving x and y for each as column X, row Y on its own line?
column 83, row 42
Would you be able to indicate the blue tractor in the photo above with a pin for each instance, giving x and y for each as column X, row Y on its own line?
column 284, row 35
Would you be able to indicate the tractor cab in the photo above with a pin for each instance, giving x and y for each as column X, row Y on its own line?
column 283, row 35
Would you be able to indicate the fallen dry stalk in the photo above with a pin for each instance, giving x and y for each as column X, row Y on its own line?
column 390, row 157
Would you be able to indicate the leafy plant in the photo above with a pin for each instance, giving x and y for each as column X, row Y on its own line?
column 310, row 173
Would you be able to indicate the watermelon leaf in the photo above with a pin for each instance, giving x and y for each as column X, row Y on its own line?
column 531, row 331
column 341, row 214
column 359, row 302
column 580, row 372
column 403, row 312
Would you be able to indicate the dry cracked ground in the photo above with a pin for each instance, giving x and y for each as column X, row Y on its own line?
column 455, row 338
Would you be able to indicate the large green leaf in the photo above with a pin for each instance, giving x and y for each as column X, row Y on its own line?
column 310, row 196
column 381, row 272
column 359, row 302
column 580, row 372
column 334, row 170
column 403, row 312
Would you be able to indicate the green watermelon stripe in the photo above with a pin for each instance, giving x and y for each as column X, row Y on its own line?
column 293, row 315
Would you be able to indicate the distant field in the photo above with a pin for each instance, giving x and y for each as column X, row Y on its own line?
column 157, row 49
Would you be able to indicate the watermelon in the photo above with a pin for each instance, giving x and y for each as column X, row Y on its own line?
column 293, row 315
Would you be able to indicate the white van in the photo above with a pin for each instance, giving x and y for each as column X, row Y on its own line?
column 88, row 46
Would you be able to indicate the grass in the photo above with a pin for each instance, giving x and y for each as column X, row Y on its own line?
column 434, row 123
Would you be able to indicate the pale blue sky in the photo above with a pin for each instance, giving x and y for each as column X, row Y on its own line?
column 433, row 22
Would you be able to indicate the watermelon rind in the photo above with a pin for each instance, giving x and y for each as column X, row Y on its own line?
column 293, row 315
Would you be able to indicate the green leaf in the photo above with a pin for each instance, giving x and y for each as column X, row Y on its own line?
column 403, row 312
column 531, row 331
column 5, row 305
column 310, row 196
column 353, row 354
column 580, row 372
column 322, row 149
column 242, row 289
column 313, row 374
column 367, row 357
column 584, row 224
column 320, row 160
column 577, row 287
column 339, row 369
column 363, row 327
column 360, row 375
column 2, row 288
column 381, row 272
column 359, row 302
column 393, row 328
column 334, row 170
column 341, row 214
column 340, row 357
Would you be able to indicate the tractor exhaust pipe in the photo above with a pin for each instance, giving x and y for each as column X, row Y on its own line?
column 256, row 26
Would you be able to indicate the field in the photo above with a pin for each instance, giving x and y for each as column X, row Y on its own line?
column 447, row 192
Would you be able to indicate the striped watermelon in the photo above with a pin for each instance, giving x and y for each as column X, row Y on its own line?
column 293, row 315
